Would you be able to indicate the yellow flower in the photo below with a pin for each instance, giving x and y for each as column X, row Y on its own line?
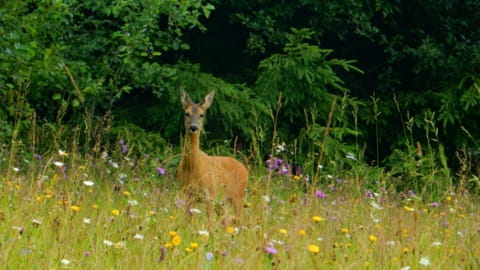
column 151, row 213
column 409, row 209
column 230, row 230
column 75, row 208
column 95, row 206
column 449, row 198
column 172, row 218
column 248, row 205
column 172, row 233
column 405, row 250
column 126, row 193
column 188, row 250
column 297, row 177
column 314, row 249
column 120, row 245
column 344, row 230
column 302, row 232
column 39, row 198
column 317, row 218
column 194, row 245
column 115, row 212
column 372, row 238
column 176, row 240
column 168, row 245
column 282, row 231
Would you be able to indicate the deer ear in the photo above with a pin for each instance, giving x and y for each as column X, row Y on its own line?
column 207, row 100
column 185, row 98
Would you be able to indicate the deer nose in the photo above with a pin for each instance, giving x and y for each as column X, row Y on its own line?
column 193, row 128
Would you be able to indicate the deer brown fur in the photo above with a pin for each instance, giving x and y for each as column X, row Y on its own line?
column 208, row 177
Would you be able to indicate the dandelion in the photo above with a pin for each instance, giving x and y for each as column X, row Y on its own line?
column 168, row 245
column 160, row 171
column 176, row 240
column 127, row 194
column 372, row 238
column 209, row 256
column 172, row 233
column 74, row 208
column 88, row 183
column 313, row 249
column 302, row 232
column 345, row 230
column 230, row 230
column 282, row 231
column 317, row 218
column 151, row 213
column 87, row 221
column 409, row 209
column 194, row 245
column 188, row 250
column 424, row 261
column 115, row 212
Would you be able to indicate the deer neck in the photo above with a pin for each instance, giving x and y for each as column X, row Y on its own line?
column 192, row 149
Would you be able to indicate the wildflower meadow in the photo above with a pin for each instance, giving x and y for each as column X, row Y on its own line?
column 60, row 210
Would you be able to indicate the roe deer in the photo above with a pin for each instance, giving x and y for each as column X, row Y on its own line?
column 209, row 177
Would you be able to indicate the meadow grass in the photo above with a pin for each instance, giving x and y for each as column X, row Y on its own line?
column 61, row 211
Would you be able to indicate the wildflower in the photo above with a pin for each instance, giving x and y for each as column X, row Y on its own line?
column 189, row 250
column 433, row 204
column 436, row 244
column 36, row 222
column 203, row 233
column 317, row 218
column 176, row 240
column 126, row 193
column 230, row 230
column 58, row 163
column 138, row 236
column 369, row 194
column 108, row 243
column 297, row 177
column 168, row 245
column 37, row 156
column 209, row 256
column 344, row 230
column 87, row 253
column 62, row 153
column 405, row 250
column 302, row 232
column 314, row 249
column 94, row 206
column 132, row 202
column 405, row 268
column 282, row 231
column 160, row 171
column 351, row 156
column 409, row 209
column 194, row 245
column 372, row 238
column 15, row 169
column 375, row 205
column 320, row 194
column 119, row 245
column 271, row 250
column 87, row 221
column 195, row 211
column 88, row 183
column 115, row 212
column 172, row 233
column 424, row 261
column 65, row 262
column 151, row 213
column 75, row 208
column 266, row 198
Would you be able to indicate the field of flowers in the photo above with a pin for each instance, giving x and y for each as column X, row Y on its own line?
column 62, row 211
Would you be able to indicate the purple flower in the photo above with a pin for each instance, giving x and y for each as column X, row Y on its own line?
column 124, row 148
column 433, row 204
column 160, row 171
column 320, row 194
column 121, row 142
column 209, row 256
column 37, row 156
column 369, row 194
column 271, row 250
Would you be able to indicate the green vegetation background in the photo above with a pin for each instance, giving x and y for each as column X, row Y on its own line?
column 394, row 84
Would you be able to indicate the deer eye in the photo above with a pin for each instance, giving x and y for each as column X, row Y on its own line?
column 201, row 115
column 187, row 114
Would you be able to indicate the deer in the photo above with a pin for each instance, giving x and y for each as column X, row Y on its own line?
column 205, row 177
